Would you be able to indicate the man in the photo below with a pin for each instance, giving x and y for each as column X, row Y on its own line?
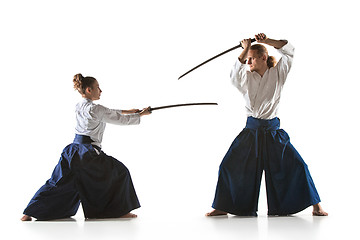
column 262, row 146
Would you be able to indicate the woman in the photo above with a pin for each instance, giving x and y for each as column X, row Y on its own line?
column 84, row 173
column 262, row 146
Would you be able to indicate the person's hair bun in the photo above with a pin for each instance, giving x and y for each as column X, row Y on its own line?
column 77, row 80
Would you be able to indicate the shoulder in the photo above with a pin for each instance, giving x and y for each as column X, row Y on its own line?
column 98, row 108
column 89, row 107
column 83, row 105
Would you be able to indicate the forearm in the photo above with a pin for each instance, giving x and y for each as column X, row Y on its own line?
column 117, row 117
column 145, row 111
column 246, row 43
column 129, row 111
column 243, row 56
column 275, row 43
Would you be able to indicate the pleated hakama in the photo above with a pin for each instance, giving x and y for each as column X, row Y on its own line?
column 262, row 146
column 99, row 182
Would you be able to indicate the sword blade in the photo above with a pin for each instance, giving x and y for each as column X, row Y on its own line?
column 210, row 59
column 181, row 105
column 229, row 50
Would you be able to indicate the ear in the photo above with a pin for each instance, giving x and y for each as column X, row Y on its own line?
column 88, row 90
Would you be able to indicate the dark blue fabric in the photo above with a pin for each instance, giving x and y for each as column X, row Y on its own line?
column 101, row 183
column 262, row 146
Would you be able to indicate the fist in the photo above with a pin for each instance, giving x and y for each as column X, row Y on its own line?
column 145, row 111
column 261, row 37
column 246, row 43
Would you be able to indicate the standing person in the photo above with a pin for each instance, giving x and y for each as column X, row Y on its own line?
column 261, row 145
column 85, row 173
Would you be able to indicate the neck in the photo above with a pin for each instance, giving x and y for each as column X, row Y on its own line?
column 86, row 97
column 262, row 71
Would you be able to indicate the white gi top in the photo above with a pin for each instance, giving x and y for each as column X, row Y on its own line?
column 262, row 94
column 91, row 119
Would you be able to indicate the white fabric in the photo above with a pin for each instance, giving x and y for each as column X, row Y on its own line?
column 262, row 94
column 91, row 119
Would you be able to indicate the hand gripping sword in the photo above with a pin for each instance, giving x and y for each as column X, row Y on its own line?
column 230, row 49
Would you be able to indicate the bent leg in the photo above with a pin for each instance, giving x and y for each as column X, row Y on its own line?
column 106, row 188
column 53, row 202
column 290, row 188
column 57, row 198
column 238, row 186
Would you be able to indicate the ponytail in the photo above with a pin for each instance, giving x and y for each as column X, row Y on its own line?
column 81, row 83
column 271, row 61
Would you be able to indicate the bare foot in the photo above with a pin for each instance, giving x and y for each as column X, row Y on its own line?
column 129, row 215
column 318, row 211
column 215, row 213
column 26, row 218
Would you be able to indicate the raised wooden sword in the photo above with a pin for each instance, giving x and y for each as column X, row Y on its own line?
column 230, row 49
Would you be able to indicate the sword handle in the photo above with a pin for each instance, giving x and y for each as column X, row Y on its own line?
column 252, row 40
column 150, row 110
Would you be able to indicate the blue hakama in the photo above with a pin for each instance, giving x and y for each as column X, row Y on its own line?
column 101, row 183
column 262, row 146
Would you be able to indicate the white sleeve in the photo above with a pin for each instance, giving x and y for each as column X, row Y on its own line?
column 285, row 62
column 239, row 76
column 112, row 116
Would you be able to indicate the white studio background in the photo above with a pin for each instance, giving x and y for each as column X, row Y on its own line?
column 137, row 50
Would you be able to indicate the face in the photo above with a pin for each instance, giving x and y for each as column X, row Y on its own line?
column 94, row 92
column 255, row 61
